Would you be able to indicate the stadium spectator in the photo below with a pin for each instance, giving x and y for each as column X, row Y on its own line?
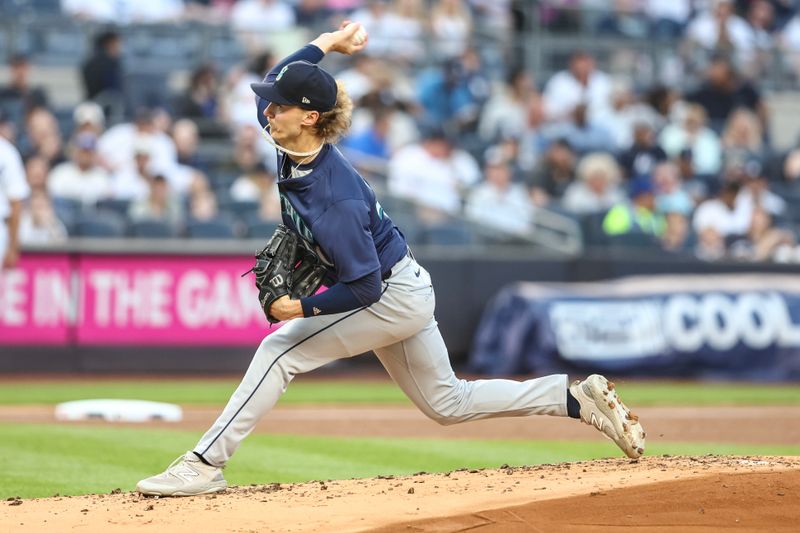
column 719, row 30
column 637, row 214
column 582, row 83
column 132, row 183
column 497, row 201
column 583, row 134
column 37, row 169
column 763, row 241
column 723, row 92
column 80, row 178
column 117, row 145
column 789, row 42
column 124, row 11
column 378, row 19
column 624, row 18
column 190, row 172
column 506, row 112
column 756, row 194
column 312, row 13
column 761, row 17
column 88, row 117
column 203, row 206
column 554, row 172
column 670, row 195
column 451, row 22
column 668, row 18
column 597, row 187
column 644, row 154
column 359, row 78
column 103, row 72
column 159, row 204
column 693, row 134
column 238, row 95
column 371, row 141
column 790, row 170
column 532, row 141
column 42, row 136
column 200, row 100
column 433, row 173
column 719, row 218
column 409, row 30
column 253, row 184
column 18, row 96
column 677, row 237
column 252, row 18
column 39, row 224
column 454, row 94
column 742, row 141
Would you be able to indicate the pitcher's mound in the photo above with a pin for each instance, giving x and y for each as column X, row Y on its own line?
column 655, row 494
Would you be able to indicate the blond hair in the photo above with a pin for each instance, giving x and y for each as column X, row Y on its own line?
column 599, row 162
column 333, row 125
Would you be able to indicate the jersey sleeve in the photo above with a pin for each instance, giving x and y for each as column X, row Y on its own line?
column 343, row 234
column 13, row 183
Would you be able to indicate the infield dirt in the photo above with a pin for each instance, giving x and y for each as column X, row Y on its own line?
column 655, row 494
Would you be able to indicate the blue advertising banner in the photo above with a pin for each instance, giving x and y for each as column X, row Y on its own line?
column 738, row 326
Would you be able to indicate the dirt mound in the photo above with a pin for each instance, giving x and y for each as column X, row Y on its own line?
column 595, row 494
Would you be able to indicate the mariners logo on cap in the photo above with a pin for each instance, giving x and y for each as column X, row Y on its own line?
column 306, row 100
column 280, row 74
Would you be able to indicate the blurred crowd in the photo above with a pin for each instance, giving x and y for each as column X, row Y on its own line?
column 453, row 130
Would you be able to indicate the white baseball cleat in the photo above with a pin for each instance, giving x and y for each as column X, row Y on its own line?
column 186, row 476
column 602, row 408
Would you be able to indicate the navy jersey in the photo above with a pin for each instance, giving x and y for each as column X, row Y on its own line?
column 329, row 204
column 334, row 208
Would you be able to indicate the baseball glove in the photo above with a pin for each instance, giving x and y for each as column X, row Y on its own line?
column 286, row 265
column 309, row 271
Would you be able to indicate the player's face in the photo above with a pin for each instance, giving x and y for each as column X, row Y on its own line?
column 284, row 121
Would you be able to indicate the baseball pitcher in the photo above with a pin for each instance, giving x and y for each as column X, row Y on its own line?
column 379, row 298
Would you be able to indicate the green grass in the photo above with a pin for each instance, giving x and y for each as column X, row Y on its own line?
column 217, row 392
column 42, row 460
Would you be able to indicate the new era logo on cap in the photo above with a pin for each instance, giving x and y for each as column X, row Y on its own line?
column 299, row 83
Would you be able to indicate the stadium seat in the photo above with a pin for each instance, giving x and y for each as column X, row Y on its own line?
column 240, row 209
column 116, row 205
column 634, row 241
column 220, row 228
column 261, row 229
column 152, row 229
column 67, row 210
column 446, row 233
column 99, row 224
column 592, row 228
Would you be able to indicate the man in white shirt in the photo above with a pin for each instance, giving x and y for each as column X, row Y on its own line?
column 497, row 202
column 433, row 174
column 81, row 178
column 722, row 215
column 581, row 84
column 13, row 191
column 719, row 28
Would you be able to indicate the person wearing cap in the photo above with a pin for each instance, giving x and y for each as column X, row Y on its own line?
column 80, row 178
column 378, row 298
column 639, row 214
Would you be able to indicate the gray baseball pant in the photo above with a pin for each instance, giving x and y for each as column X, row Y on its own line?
column 402, row 331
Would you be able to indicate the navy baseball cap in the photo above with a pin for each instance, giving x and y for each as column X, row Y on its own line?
column 301, row 84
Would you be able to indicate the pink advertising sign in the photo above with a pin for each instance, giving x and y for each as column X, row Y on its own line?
column 168, row 301
column 37, row 301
